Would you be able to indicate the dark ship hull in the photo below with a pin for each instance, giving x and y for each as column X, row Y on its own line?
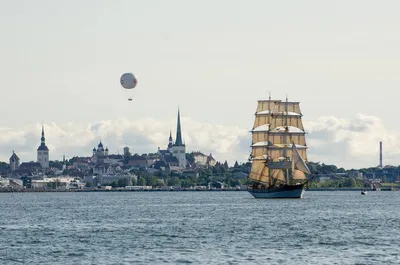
column 281, row 192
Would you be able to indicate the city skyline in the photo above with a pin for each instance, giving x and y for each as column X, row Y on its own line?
column 61, row 64
column 223, row 142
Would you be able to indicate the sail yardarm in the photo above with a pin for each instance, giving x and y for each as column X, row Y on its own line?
column 279, row 121
column 278, row 106
column 298, row 162
column 261, row 128
column 278, row 151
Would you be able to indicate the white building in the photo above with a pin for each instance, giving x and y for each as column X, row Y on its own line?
column 204, row 160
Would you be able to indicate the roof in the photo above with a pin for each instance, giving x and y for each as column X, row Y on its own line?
column 115, row 156
column 43, row 147
column 14, row 157
column 135, row 158
column 171, row 160
column 30, row 165
column 197, row 153
column 100, row 145
column 159, row 164
column 163, row 152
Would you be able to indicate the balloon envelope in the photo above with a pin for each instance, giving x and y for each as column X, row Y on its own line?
column 128, row 81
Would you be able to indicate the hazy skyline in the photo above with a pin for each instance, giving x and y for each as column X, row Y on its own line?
column 61, row 63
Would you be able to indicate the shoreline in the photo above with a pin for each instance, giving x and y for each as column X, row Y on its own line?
column 180, row 190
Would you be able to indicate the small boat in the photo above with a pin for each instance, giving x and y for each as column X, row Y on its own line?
column 363, row 192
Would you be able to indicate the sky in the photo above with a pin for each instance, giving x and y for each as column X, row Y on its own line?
column 61, row 62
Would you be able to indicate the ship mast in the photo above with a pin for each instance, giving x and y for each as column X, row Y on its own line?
column 266, row 158
column 285, row 142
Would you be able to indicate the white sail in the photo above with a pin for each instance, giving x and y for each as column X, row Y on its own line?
column 297, row 161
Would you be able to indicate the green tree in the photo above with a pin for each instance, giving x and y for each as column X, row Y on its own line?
column 174, row 181
column 190, row 158
column 122, row 182
column 154, row 181
column 134, row 182
column 350, row 182
column 187, row 183
column 113, row 184
column 141, row 181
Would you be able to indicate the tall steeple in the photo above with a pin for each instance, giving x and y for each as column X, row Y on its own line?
column 43, row 151
column 178, row 139
column 43, row 146
column 42, row 140
column 170, row 141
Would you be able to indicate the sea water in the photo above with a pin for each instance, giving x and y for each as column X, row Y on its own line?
column 334, row 227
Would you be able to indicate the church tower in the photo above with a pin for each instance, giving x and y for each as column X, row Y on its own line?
column 14, row 162
column 170, row 141
column 43, row 152
column 64, row 167
column 178, row 149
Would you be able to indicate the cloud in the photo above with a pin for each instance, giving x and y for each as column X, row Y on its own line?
column 142, row 136
column 352, row 143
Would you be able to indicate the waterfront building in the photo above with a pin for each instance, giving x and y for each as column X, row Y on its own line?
column 203, row 160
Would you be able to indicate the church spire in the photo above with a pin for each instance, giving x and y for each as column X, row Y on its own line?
column 43, row 152
column 42, row 139
column 170, row 141
column 178, row 139
column 42, row 146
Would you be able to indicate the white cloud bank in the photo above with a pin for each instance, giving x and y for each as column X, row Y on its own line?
column 350, row 143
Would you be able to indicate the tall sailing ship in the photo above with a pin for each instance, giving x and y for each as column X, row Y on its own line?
column 279, row 151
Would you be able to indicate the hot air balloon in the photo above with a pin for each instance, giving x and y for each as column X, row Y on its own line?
column 128, row 81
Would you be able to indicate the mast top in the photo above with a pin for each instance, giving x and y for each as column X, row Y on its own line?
column 269, row 95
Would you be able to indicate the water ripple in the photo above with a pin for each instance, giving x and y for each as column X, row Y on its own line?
column 198, row 228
